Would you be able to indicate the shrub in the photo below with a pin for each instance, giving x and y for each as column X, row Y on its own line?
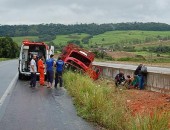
column 150, row 122
column 96, row 102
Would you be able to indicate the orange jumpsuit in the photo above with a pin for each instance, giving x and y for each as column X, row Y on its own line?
column 41, row 71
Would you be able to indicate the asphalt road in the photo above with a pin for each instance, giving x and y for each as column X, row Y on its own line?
column 42, row 108
column 133, row 67
column 8, row 70
column 36, row 109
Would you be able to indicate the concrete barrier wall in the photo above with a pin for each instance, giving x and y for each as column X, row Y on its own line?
column 156, row 81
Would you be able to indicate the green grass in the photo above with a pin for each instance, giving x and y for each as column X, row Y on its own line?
column 151, row 44
column 63, row 39
column 3, row 59
column 99, row 103
column 109, row 38
column 60, row 39
column 153, row 57
column 19, row 40
column 145, row 53
column 150, row 122
column 127, row 37
column 96, row 102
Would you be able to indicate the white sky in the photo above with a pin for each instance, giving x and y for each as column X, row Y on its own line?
column 83, row 11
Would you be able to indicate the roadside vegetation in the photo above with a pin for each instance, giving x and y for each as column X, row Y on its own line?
column 4, row 59
column 106, row 105
column 8, row 48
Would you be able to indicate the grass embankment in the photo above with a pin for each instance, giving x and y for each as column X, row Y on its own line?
column 97, row 102
column 3, row 59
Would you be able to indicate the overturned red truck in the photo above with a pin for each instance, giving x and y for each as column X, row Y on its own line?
column 79, row 59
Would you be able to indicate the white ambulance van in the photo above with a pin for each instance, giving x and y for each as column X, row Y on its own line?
column 28, row 49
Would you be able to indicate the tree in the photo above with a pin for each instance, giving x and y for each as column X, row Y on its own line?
column 8, row 48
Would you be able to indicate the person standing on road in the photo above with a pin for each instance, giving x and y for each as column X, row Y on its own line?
column 33, row 70
column 59, row 71
column 41, row 68
column 50, row 73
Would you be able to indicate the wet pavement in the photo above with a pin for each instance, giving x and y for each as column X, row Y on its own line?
column 8, row 70
column 24, row 108
column 41, row 109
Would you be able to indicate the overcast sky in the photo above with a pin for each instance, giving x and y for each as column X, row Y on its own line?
column 83, row 11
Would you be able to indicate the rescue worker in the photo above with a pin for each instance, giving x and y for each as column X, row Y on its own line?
column 141, row 71
column 119, row 78
column 138, row 70
column 41, row 68
column 33, row 71
column 128, row 81
column 59, row 71
column 135, row 82
column 50, row 73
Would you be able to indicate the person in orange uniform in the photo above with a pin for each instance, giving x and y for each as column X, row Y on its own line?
column 41, row 68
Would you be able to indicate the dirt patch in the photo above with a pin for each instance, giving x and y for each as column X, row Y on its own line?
column 120, row 54
column 142, row 102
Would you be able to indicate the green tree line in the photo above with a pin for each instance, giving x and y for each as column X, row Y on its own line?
column 8, row 48
column 92, row 29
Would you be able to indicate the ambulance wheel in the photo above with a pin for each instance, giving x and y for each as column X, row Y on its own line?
column 20, row 76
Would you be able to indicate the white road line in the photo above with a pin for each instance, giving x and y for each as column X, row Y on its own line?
column 7, row 92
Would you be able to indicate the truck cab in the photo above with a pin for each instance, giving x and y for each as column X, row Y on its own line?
column 28, row 49
column 79, row 59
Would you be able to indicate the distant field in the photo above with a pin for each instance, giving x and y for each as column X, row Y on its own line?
column 60, row 39
column 19, row 40
column 110, row 38
column 63, row 39
column 151, row 44
column 144, row 53
column 138, row 39
column 128, row 37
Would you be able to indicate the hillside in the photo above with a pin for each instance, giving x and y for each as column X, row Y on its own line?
column 129, row 37
column 111, row 39
column 63, row 39
column 19, row 40
column 132, row 46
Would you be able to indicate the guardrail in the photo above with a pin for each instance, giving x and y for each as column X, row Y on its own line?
column 158, row 79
